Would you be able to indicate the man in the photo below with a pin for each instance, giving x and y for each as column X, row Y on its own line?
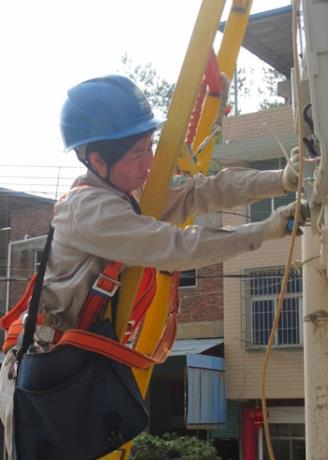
column 109, row 123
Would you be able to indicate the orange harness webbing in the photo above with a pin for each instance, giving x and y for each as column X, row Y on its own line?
column 122, row 353
column 13, row 321
column 101, row 291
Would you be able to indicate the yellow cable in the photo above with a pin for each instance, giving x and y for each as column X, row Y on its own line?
column 293, row 236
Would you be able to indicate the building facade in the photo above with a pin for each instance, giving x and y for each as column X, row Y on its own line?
column 252, row 283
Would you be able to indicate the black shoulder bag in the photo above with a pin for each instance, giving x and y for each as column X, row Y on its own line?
column 69, row 403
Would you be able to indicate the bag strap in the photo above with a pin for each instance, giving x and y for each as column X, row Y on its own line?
column 32, row 312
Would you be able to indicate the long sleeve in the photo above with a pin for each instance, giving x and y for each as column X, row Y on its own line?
column 105, row 226
column 94, row 224
column 229, row 188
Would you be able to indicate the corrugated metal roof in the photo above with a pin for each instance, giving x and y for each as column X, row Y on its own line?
column 186, row 346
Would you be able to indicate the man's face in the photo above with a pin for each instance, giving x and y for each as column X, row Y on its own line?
column 132, row 170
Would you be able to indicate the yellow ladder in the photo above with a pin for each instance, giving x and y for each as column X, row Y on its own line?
column 170, row 147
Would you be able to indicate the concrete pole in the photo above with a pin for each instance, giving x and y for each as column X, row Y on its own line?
column 315, row 305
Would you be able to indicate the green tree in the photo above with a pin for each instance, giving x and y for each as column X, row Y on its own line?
column 172, row 447
column 157, row 90
column 268, row 90
column 239, row 87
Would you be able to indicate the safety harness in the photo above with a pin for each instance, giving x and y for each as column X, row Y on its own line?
column 103, row 290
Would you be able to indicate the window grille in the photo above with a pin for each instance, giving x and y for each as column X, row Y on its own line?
column 260, row 291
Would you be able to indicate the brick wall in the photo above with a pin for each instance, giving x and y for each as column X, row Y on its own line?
column 204, row 302
column 32, row 221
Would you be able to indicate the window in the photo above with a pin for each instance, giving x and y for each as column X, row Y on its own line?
column 264, row 208
column 187, row 278
column 288, row 441
column 261, row 291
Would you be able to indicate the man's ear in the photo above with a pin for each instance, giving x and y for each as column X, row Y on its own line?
column 98, row 164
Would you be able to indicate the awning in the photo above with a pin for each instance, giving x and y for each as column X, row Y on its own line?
column 184, row 347
column 204, row 375
column 206, row 404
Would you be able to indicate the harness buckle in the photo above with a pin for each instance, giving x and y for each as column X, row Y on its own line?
column 44, row 334
column 115, row 283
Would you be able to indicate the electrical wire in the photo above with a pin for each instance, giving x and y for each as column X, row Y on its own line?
column 293, row 236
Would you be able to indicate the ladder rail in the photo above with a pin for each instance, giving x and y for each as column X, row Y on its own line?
column 170, row 146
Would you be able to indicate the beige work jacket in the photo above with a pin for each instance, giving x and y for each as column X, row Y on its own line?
column 97, row 223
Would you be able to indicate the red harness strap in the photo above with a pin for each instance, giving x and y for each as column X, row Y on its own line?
column 96, row 343
column 122, row 353
column 20, row 307
column 102, row 290
column 105, row 287
column 144, row 298
column 16, row 328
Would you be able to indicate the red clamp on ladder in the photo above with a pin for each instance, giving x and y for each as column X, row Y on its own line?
column 212, row 80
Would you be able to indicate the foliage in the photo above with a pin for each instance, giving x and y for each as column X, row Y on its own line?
column 172, row 447
column 239, row 88
column 270, row 80
column 266, row 87
column 157, row 90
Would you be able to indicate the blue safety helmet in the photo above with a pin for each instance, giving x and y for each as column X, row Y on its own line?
column 106, row 108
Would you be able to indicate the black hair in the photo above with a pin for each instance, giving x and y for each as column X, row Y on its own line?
column 111, row 151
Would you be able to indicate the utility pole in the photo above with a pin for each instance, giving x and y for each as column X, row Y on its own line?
column 315, row 301
column 315, row 247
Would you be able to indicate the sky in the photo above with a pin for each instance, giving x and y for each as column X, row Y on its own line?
column 49, row 46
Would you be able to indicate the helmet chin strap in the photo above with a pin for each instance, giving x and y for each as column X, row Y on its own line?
column 82, row 155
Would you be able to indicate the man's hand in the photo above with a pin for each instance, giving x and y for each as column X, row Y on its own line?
column 276, row 226
column 290, row 174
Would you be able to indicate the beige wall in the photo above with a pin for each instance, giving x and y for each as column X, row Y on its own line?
column 243, row 367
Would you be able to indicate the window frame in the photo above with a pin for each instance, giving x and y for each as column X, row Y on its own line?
column 247, row 303
column 273, row 202
column 194, row 278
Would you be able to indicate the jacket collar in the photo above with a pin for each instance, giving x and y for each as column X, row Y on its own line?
column 93, row 179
